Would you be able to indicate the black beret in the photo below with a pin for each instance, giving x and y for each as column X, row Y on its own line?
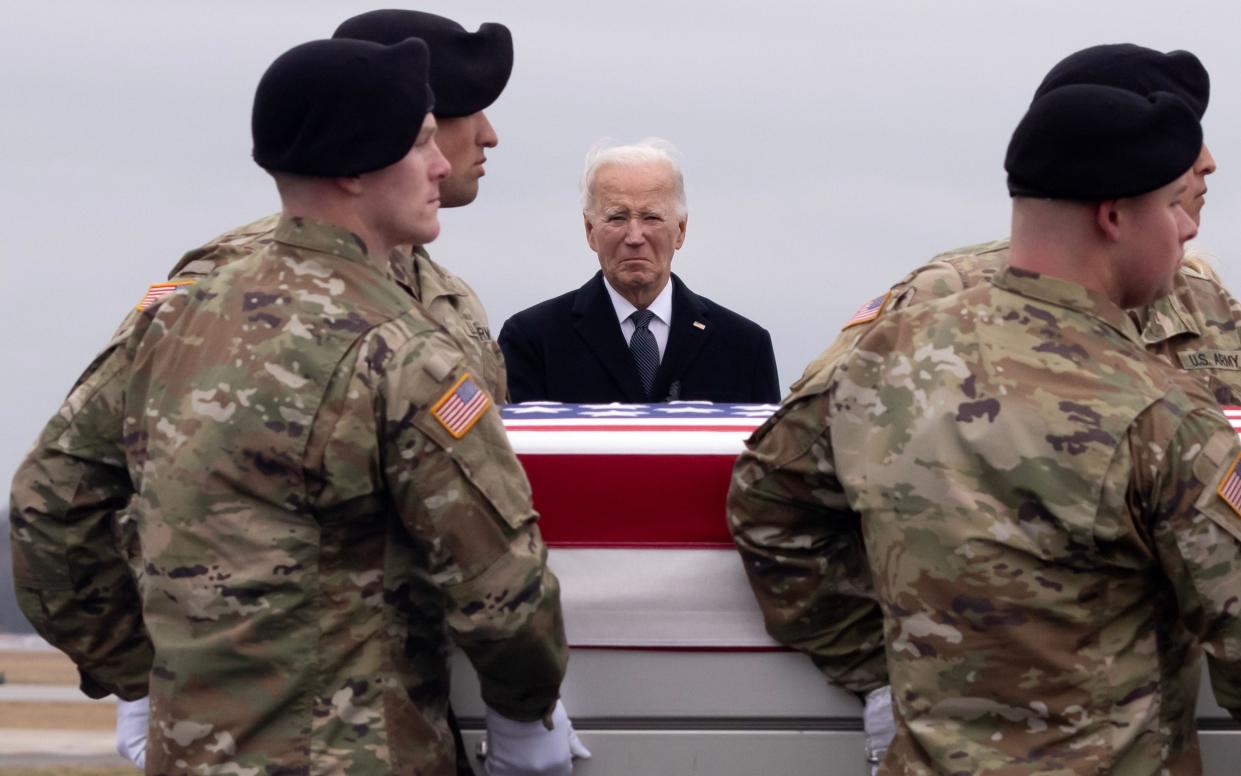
column 468, row 69
column 340, row 107
column 1135, row 68
column 1090, row 143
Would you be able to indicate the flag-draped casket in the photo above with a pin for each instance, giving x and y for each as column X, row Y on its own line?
column 631, row 503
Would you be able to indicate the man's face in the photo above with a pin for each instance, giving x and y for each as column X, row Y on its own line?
column 463, row 140
column 634, row 226
column 1155, row 227
column 1194, row 196
column 402, row 200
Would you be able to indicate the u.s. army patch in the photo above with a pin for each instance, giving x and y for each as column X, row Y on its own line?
column 1230, row 487
column 1210, row 359
column 461, row 407
column 868, row 312
column 157, row 291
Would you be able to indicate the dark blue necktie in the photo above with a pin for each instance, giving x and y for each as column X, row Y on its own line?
column 645, row 351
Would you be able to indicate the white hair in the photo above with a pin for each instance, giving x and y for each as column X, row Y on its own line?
column 646, row 151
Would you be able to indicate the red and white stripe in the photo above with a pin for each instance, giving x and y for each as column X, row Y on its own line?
column 1230, row 488
column 157, row 291
column 631, row 436
column 457, row 415
column 632, row 510
column 869, row 311
column 1234, row 417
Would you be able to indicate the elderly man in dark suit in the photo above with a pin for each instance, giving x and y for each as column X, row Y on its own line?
column 635, row 332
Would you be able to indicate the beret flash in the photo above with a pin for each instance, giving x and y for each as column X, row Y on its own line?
column 340, row 107
column 468, row 69
column 1135, row 68
column 1090, row 143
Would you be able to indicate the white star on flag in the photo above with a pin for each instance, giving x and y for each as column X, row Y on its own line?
column 522, row 409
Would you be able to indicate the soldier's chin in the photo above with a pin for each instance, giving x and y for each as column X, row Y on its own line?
column 425, row 232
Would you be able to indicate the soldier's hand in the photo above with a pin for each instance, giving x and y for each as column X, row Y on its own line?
column 529, row 748
column 879, row 724
column 132, row 720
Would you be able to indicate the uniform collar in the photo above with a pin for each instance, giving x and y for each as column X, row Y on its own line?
column 1167, row 317
column 1065, row 293
column 423, row 278
column 433, row 281
column 320, row 237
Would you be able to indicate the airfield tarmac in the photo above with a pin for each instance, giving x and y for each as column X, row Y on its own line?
column 47, row 726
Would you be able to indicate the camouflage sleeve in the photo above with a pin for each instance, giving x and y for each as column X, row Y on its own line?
column 461, row 491
column 802, row 547
column 1190, row 496
column 72, row 575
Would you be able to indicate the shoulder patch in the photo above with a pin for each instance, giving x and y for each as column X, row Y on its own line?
column 868, row 312
column 157, row 291
column 1230, row 487
column 461, row 407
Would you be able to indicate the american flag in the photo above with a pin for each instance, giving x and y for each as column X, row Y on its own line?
column 460, row 408
column 631, row 499
column 631, row 504
column 1230, row 487
column 868, row 312
column 157, row 291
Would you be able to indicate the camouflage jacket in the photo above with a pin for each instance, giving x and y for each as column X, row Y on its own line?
column 1049, row 517
column 1195, row 327
column 73, row 486
column 324, row 491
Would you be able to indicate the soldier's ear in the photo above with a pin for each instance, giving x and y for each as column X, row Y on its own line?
column 1107, row 218
column 351, row 184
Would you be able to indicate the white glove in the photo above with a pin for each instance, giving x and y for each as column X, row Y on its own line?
column 879, row 724
column 132, row 720
column 530, row 749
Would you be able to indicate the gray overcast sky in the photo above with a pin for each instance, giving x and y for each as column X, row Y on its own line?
column 829, row 147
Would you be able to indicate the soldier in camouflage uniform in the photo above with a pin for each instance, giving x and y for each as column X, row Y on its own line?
column 1035, row 518
column 323, row 486
column 73, row 484
column 1194, row 327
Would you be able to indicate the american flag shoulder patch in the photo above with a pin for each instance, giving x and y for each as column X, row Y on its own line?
column 1230, row 487
column 157, row 291
column 461, row 406
column 868, row 312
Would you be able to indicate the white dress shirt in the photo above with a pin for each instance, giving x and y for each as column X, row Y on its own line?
column 659, row 325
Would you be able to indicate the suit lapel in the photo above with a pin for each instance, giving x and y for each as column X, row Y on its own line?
column 594, row 318
column 685, row 340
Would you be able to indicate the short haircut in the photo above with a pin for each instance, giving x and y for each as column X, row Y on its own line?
column 646, row 151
